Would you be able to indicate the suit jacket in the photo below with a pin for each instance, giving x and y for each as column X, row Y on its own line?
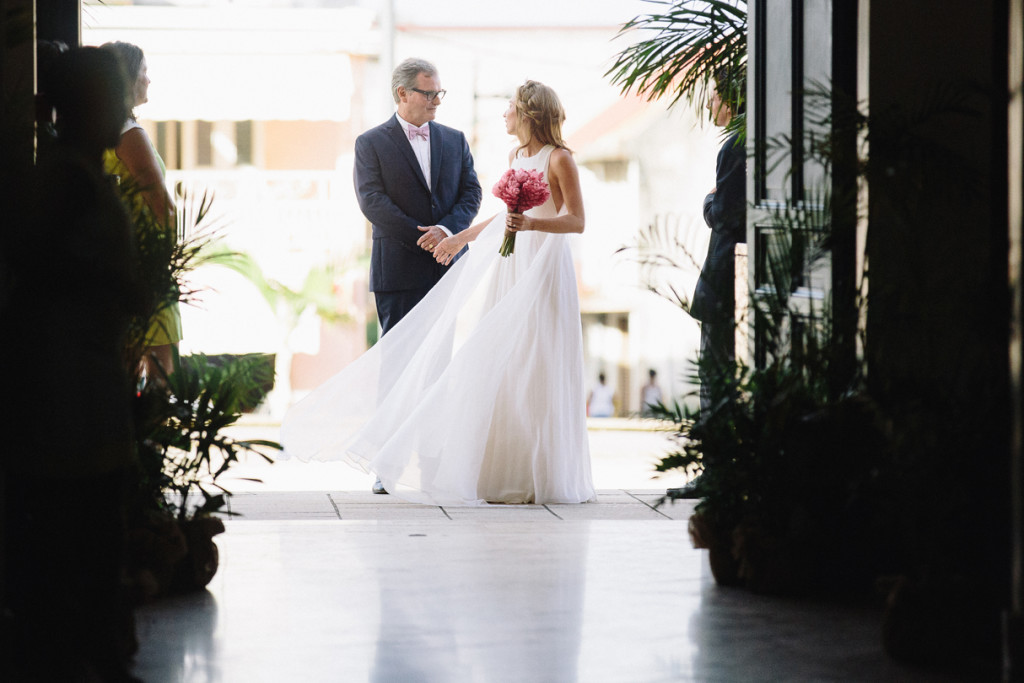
column 725, row 212
column 394, row 197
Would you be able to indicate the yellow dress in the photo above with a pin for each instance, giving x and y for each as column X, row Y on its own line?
column 166, row 325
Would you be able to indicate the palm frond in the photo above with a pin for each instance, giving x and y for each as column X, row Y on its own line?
column 691, row 40
column 167, row 249
column 183, row 449
column 663, row 247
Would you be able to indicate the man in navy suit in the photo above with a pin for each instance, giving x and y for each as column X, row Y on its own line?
column 416, row 185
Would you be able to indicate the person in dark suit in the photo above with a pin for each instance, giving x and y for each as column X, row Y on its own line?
column 714, row 300
column 416, row 185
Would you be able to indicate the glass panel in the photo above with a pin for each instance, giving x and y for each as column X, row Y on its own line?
column 778, row 90
column 817, row 79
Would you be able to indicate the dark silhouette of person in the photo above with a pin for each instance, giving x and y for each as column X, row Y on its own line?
column 714, row 300
column 71, row 290
column 47, row 52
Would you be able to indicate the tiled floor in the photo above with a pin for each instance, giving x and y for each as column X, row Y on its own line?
column 355, row 505
column 341, row 585
column 348, row 586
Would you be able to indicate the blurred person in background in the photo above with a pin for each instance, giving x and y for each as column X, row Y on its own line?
column 141, row 176
column 650, row 395
column 601, row 402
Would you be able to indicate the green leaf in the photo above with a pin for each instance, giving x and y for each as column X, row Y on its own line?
column 691, row 40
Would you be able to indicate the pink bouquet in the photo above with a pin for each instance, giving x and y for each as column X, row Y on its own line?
column 521, row 190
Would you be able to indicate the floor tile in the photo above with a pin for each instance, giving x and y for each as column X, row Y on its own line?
column 270, row 505
column 500, row 513
column 675, row 509
column 602, row 510
column 614, row 496
column 366, row 497
column 390, row 512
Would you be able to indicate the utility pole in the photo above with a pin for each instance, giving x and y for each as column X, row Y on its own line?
column 387, row 50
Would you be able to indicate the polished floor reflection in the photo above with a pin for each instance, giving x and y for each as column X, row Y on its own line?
column 513, row 593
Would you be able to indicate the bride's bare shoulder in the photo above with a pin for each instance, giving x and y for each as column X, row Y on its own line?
column 562, row 155
column 561, row 160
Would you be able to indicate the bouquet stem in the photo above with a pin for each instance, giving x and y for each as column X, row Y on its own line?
column 508, row 245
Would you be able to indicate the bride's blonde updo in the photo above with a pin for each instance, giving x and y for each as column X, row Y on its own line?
column 540, row 115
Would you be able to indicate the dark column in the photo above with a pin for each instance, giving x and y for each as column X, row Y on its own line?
column 844, row 192
column 17, row 114
column 939, row 309
column 1013, row 626
column 59, row 20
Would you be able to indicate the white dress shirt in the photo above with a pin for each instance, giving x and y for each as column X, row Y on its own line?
column 421, row 148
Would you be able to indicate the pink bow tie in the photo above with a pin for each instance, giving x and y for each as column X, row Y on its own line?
column 421, row 132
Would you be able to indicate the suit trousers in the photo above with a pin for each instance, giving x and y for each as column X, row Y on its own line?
column 717, row 355
column 392, row 306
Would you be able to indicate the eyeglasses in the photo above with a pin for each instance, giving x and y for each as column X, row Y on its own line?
column 431, row 94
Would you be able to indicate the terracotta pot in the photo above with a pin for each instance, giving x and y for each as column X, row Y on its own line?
column 718, row 543
column 156, row 548
column 200, row 564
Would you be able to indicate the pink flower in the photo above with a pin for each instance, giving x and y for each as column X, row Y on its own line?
column 521, row 190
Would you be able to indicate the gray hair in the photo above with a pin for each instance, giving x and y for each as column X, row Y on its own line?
column 404, row 75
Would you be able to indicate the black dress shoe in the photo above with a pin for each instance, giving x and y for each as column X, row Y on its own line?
column 688, row 491
column 378, row 487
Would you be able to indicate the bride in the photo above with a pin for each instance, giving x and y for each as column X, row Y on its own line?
column 477, row 395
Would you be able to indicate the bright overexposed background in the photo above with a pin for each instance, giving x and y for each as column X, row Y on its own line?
column 260, row 102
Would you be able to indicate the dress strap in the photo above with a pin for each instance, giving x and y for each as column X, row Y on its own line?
column 129, row 124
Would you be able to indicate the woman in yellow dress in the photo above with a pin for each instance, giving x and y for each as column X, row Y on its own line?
column 137, row 164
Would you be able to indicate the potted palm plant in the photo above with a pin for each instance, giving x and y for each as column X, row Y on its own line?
column 181, row 415
column 785, row 442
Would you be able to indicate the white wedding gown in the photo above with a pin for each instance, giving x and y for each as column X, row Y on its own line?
column 477, row 395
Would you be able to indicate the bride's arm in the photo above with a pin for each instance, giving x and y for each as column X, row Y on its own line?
column 564, row 178
column 447, row 248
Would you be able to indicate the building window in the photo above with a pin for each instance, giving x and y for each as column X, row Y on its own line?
column 161, row 139
column 204, row 143
column 168, row 142
column 243, row 142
